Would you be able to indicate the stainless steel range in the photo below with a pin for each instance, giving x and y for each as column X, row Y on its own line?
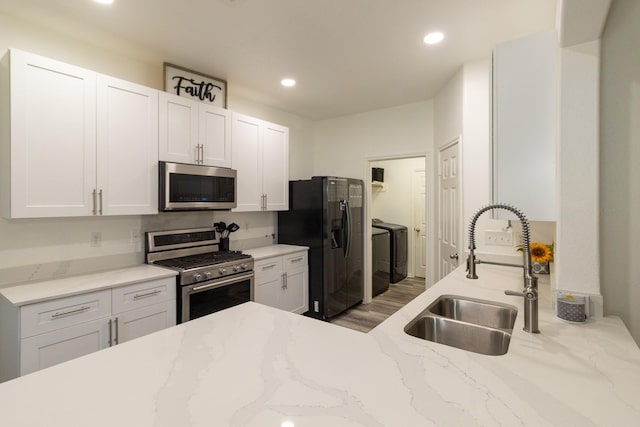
column 209, row 280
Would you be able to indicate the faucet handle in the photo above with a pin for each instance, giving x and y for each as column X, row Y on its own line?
column 529, row 294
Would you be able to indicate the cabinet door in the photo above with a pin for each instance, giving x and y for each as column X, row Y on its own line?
column 178, row 134
column 295, row 297
column 53, row 134
column 247, row 160
column 269, row 281
column 127, row 148
column 525, row 124
column 270, row 292
column 296, row 293
column 215, row 135
column 41, row 351
column 275, row 159
column 142, row 321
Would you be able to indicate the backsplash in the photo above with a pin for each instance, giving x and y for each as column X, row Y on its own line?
column 43, row 249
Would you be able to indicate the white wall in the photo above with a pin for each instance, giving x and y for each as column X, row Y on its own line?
column 41, row 248
column 343, row 145
column 620, row 164
column 462, row 108
column 577, row 248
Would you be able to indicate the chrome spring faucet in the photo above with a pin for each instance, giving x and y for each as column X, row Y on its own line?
column 530, row 291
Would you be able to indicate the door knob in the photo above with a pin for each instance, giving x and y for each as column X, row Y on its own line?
column 454, row 256
column 417, row 229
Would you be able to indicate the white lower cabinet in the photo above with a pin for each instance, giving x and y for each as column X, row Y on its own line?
column 283, row 282
column 43, row 334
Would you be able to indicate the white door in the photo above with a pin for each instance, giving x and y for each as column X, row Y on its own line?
column 53, row 137
column 450, row 246
column 420, row 224
column 275, row 170
column 215, row 135
column 127, row 145
column 178, row 128
column 246, row 159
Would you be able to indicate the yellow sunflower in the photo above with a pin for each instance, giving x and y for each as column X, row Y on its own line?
column 540, row 253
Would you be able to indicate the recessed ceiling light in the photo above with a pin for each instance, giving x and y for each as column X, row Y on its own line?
column 104, row 1
column 433, row 38
column 288, row 82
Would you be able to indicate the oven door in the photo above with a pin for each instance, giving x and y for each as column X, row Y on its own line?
column 201, row 299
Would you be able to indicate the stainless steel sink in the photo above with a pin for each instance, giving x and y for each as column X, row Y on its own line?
column 470, row 324
column 476, row 311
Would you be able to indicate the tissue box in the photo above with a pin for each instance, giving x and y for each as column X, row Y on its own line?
column 571, row 307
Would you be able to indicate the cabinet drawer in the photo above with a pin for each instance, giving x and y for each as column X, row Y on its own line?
column 268, row 270
column 143, row 294
column 64, row 312
column 295, row 261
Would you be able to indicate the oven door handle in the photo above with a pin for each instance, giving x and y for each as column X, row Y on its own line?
column 222, row 282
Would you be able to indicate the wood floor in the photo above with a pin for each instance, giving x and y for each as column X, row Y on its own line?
column 365, row 317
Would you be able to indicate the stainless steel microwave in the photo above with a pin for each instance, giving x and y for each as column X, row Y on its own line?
column 186, row 187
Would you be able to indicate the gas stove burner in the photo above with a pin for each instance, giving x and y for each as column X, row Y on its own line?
column 202, row 260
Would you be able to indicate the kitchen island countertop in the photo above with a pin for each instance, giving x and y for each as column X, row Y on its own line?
column 253, row 365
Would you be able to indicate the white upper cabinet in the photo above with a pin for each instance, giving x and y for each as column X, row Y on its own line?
column 48, row 137
column 275, row 169
column 178, row 137
column 80, row 143
column 261, row 157
column 215, row 135
column 127, row 147
column 194, row 132
column 525, row 105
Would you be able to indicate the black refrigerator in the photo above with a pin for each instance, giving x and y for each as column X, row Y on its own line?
column 326, row 214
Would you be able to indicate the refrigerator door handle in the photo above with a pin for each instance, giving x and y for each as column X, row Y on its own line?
column 348, row 212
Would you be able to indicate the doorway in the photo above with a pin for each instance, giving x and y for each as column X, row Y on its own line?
column 401, row 197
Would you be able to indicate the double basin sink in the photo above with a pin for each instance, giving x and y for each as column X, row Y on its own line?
column 470, row 324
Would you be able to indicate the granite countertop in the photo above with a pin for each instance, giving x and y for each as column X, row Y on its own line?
column 273, row 250
column 31, row 293
column 253, row 365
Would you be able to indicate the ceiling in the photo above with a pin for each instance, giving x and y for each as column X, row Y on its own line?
column 348, row 56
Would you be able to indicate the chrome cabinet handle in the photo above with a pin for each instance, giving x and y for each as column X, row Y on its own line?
column 286, row 281
column 110, row 333
column 267, row 267
column 297, row 259
column 115, row 339
column 66, row 313
column 201, row 153
column 100, row 197
column 95, row 202
column 148, row 294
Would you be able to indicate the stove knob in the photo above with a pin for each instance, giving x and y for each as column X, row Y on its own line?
column 207, row 274
column 236, row 268
column 197, row 277
column 244, row 266
column 222, row 271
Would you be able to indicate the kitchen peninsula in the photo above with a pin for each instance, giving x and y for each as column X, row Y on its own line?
column 253, row 365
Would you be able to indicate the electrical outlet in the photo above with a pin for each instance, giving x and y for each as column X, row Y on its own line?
column 96, row 239
column 499, row 238
column 134, row 236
